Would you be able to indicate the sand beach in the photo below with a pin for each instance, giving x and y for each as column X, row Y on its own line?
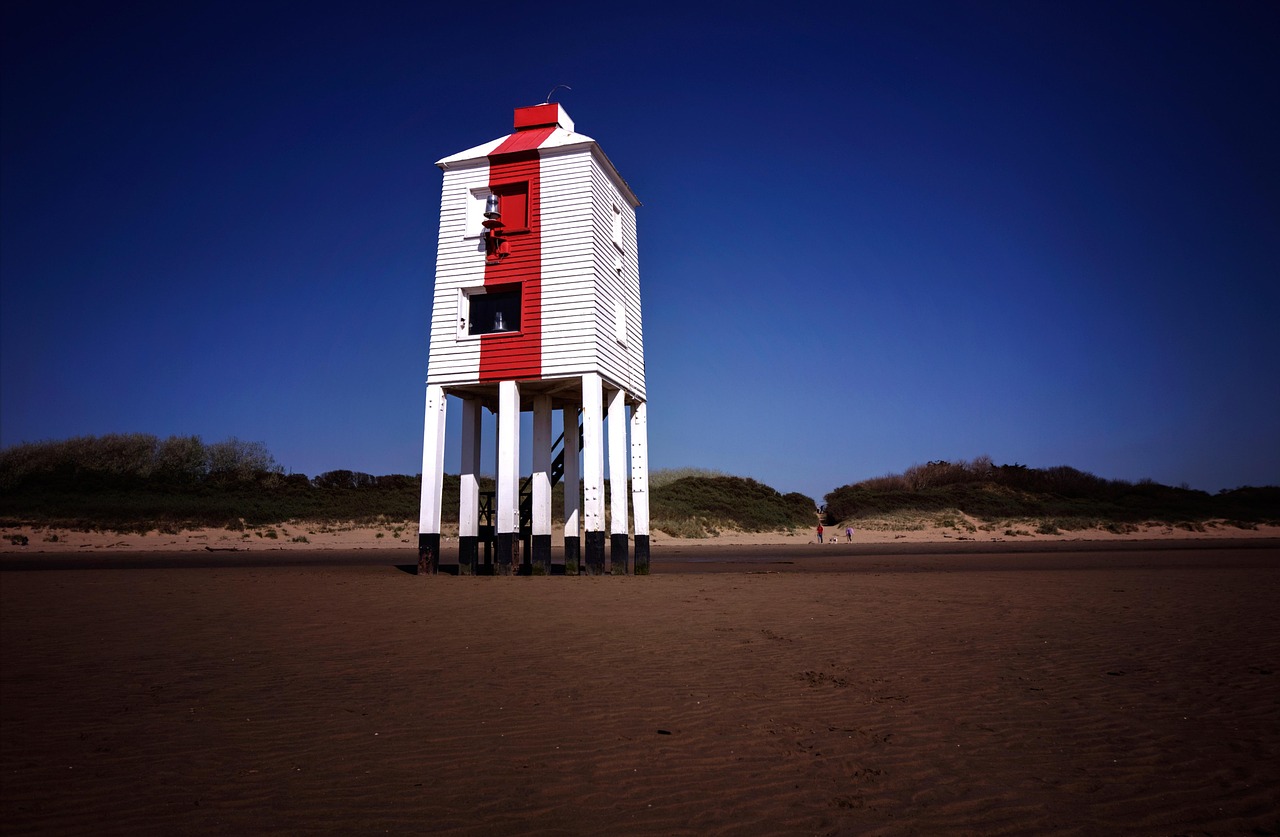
column 1060, row 687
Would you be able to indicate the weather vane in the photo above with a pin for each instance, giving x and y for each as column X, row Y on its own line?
column 547, row 101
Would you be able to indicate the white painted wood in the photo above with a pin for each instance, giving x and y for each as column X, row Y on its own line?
column 640, row 467
column 589, row 266
column 508, row 458
column 588, row 278
column 469, row 470
column 572, row 480
column 462, row 158
column 459, row 265
column 616, row 269
column 432, row 462
column 560, row 142
column 592, row 453
column 541, row 488
column 568, row 294
column 592, row 332
column 618, row 462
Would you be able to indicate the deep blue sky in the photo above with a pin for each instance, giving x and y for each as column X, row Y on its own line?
column 871, row 237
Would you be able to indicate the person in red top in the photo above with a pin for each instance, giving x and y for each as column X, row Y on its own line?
column 819, row 533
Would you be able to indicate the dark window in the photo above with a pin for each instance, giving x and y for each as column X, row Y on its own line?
column 495, row 312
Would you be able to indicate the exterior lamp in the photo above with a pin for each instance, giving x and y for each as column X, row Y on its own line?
column 495, row 247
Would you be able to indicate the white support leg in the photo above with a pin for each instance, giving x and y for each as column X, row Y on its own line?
column 540, row 544
column 508, row 526
column 618, row 482
column 432, row 481
column 572, row 492
column 640, row 484
column 469, row 488
column 593, row 471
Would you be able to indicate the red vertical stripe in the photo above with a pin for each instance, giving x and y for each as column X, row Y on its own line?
column 505, row 357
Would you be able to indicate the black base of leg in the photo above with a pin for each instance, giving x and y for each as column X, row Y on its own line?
column 642, row 554
column 468, row 554
column 540, row 554
column 618, row 557
column 506, row 542
column 572, row 555
column 595, row 553
column 428, row 553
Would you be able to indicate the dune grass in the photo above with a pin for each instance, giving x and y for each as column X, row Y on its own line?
column 136, row 482
column 1057, row 499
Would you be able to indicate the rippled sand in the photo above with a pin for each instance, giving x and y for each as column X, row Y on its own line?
column 1133, row 692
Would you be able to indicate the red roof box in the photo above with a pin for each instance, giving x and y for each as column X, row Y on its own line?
column 549, row 115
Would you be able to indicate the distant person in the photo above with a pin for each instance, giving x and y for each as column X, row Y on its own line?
column 848, row 534
column 820, row 533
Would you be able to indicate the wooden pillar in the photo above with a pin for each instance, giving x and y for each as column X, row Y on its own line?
column 640, row 484
column 572, row 493
column 508, row 499
column 469, row 489
column 540, row 545
column 593, row 472
column 618, row 558
column 432, row 482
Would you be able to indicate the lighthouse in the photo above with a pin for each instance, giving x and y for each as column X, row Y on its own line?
column 537, row 309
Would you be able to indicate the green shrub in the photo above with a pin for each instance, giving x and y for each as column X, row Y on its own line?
column 1075, row 499
column 729, row 502
column 666, row 476
column 687, row 527
column 138, row 482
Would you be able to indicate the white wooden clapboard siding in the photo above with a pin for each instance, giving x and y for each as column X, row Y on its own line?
column 459, row 264
column 567, row 295
column 580, row 280
column 618, row 363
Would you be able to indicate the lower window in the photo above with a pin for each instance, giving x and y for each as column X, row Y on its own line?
column 493, row 310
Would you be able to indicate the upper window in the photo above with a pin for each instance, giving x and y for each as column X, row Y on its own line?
column 475, row 211
column 513, row 204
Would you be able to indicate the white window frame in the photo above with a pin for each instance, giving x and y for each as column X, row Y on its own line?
column 475, row 198
column 464, row 312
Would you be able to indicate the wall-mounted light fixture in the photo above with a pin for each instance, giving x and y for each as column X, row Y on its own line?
column 495, row 246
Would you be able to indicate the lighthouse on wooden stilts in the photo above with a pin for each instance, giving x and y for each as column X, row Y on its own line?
column 537, row 309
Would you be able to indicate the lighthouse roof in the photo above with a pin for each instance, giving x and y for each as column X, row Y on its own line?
column 539, row 127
